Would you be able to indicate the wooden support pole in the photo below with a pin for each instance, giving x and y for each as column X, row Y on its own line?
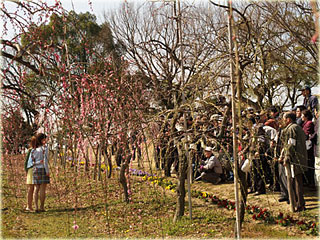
column 234, row 126
column 186, row 147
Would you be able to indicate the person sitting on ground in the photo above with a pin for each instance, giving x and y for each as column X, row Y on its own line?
column 211, row 168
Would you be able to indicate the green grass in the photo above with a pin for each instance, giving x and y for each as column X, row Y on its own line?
column 97, row 207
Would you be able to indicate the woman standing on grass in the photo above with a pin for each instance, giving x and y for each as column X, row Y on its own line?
column 29, row 170
column 41, row 178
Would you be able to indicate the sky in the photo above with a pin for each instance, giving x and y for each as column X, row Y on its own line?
column 98, row 6
column 101, row 6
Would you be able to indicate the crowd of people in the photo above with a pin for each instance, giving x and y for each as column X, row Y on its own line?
column 270, row 141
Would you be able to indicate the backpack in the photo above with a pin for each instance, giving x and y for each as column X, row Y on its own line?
column 26, row 161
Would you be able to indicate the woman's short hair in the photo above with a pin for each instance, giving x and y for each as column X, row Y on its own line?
column 307, row 113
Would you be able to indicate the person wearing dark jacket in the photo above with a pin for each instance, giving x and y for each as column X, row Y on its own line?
column 310, row 102
column 308, row 128
column 298, row 114
column 315, row 142
column 294, row 153
column 314, row 136
column 257, row 150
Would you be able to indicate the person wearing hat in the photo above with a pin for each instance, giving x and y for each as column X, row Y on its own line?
column 214, row 125
column 214, row 117
column 250, row 110
column 211, row 169
column 310, row 102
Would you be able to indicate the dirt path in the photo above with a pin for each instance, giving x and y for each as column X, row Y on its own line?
column 268, row 200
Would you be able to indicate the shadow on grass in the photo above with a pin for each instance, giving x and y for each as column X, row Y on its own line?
column 312, row 199
column 62, row 210
column 310, row 193
column 310, row 208
column 93, row 207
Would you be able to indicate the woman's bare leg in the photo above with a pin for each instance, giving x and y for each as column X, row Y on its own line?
column 42, row 195
column 30, row 195
column 36, row 196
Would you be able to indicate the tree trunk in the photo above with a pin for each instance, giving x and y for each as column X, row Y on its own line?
column 123, row 179
column 95, row 163
column 224, row 121
column 87, row 159
column 107, row 160
column 168, row 157
column 99, row 161
column 56, row 155
column 181, row 191
column 244, row 193
column 64, row 157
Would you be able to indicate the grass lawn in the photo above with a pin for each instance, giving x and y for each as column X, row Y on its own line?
column 98, row 209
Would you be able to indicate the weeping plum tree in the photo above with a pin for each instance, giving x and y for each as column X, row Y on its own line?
column 46, row 40
column 16, row 131
column 110, row 108
column 21, row 70
column 64, row 66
